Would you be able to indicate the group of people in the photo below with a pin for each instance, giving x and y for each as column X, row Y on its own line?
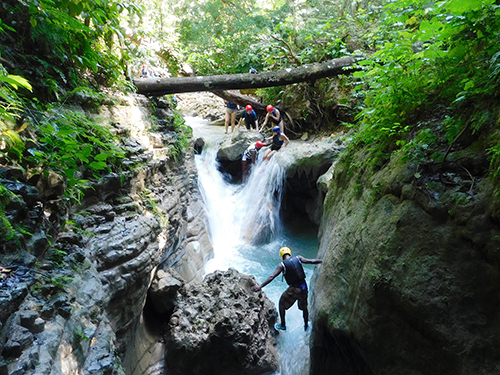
column 290, row 266
column 250, row 118
column 276, row 141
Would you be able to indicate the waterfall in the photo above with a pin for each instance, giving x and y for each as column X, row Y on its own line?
column 247, row 233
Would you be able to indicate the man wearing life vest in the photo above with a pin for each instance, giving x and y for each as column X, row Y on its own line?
column 291, row 266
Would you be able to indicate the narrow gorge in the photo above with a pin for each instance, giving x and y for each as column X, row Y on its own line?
column 409, row 283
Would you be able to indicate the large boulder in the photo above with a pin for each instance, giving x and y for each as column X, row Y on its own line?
column 233, row 147
column 221, row 327
column 164, row 288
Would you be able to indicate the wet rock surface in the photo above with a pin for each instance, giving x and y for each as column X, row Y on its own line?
column 71, row 296
column 219, row 326
column 410, row 278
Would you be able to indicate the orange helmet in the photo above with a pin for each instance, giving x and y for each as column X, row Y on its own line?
column 270, row 108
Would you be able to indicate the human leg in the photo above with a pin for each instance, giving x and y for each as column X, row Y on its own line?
column 244, row 170
column 226, row 120
column 287, row 300
column 302, row 303
column 233, row 120
column 282, row 316
column 269, row 153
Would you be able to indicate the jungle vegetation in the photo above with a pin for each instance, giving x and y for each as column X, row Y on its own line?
column 429, row 72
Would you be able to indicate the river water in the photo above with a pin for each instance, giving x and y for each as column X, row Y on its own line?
column 240, row 213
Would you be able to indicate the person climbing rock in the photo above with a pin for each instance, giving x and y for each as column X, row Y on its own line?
column 273, row 115
column 250, row 118
column 292, row 269
column 248, row 158
column 278, row 139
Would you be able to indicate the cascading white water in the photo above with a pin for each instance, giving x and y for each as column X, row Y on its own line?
column 247, row 233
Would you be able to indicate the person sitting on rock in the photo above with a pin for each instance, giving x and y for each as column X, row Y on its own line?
column 248, row 158
column 278, row 139
column 273, row 115
column 292, row 269
column 250, row 118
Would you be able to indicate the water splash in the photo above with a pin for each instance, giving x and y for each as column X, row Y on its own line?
column 246, row 232
column 240, row 215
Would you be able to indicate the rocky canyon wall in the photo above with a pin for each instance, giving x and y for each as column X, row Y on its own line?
column 411, row 272
column 79, row 312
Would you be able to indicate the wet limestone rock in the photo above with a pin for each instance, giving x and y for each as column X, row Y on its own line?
column 221, row 327
column 410, row 276
column 164, row 288
column 233, row 147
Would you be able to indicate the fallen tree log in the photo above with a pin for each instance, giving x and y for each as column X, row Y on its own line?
column 242, row 100
column 308, row 72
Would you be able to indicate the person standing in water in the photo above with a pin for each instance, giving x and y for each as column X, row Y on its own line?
column 278, row 139
column 231, row 112
column 292, row 269
column 273, row 115
column 248, row 158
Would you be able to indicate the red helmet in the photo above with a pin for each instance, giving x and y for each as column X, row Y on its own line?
column 248, row 107
column 270, row 108
column 259, row 144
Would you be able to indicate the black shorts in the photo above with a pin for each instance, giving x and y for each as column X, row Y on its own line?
column 275, row 147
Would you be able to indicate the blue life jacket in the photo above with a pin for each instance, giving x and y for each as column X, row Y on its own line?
column 273, row 120
column 277, row 141
column 231, row 105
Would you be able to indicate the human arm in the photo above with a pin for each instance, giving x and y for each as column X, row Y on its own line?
column 256, row 123
column 309, row 261
column 275, row 117
column 276, row 272
column 266, row 143
column 265, row 122
column 285, row 138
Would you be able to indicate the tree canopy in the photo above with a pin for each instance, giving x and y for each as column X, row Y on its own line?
column 431, row 71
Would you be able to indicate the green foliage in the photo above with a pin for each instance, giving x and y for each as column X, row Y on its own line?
column 435, row 55
column 232, row 44
column 73, row 146
column 68, row 43
column 183, row 134
column 10, row 142
column 10, row 108
column 7, row 231
column 58, row 256
column 494, row 153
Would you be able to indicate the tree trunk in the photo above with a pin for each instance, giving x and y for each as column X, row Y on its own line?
column 308, row 72
column 242, row 100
